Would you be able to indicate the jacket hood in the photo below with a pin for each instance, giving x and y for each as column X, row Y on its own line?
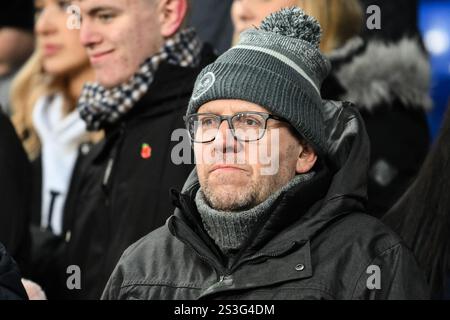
column 338, row 188
column 377, row 73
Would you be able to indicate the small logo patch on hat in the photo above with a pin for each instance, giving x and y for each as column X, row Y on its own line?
column 204, row 85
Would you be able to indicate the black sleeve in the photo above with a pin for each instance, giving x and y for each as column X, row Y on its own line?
column 15, row 191
column 400, row 278
column 11, row 287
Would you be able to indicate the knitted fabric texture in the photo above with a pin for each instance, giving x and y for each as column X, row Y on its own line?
column 279, row 67
column 230, row 230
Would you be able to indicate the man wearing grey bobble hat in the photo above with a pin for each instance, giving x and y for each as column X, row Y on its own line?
column 295, row 230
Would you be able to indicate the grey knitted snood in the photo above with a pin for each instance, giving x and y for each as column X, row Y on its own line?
column 230, row 230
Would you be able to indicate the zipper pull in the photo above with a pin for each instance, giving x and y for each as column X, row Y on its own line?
column 106, row 179
column 108, row 172
column 226, row 280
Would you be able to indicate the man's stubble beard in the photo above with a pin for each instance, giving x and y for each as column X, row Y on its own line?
column 242, row 198
column 237, row 199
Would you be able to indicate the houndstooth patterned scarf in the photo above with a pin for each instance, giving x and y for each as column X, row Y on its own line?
column 99, row 106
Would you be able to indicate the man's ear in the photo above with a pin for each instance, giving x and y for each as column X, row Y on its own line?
column 172, row 15
column 306, row 160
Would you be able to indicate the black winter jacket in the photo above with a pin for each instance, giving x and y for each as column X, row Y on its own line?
column 120, row 189
column 389, row 83
column 317, row 244
column 11, row 287
column 15, row 192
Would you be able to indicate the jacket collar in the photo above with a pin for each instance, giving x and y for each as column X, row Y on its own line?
column 274, row 236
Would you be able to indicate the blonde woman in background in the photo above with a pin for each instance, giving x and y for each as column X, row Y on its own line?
column 44, row 99
column 388, row 82
column 340, row 20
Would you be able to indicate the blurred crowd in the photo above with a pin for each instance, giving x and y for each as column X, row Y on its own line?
column 88, row 115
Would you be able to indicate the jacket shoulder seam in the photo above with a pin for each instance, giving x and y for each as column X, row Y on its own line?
column 393, row 247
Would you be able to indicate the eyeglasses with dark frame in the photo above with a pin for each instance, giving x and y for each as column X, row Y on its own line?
column 245, row 126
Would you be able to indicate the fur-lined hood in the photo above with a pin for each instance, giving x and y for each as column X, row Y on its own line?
column 378, row 73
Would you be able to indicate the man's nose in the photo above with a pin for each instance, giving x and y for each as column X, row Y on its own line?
column 89, row 36
column 225, row 141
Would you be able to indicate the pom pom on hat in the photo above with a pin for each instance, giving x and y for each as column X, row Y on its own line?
column 295, row 23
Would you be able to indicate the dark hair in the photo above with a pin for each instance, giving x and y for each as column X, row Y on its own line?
column 422, row 216
column 18, row 14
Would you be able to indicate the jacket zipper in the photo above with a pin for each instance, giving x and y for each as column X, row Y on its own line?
column 110, row 166
column 105, row 182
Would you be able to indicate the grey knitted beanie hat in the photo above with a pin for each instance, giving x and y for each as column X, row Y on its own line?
column 278, row 66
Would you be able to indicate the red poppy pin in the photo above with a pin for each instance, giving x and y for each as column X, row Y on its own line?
column 146, row 151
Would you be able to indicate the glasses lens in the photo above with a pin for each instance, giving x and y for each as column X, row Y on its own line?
column 203, row 128
column 248, row 126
